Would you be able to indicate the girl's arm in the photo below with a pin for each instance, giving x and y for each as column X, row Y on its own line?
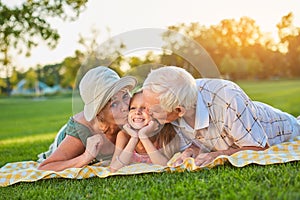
column 155, row 155
column 70, row 153
column 122, row 156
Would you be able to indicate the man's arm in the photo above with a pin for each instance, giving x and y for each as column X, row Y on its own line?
column 205, row 158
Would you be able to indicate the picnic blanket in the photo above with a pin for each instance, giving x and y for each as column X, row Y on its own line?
column 26, row 171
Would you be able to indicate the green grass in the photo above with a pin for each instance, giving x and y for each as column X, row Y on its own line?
column 27, row 127
column 284, row 95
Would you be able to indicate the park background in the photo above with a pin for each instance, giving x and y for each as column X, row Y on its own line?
column 49, row 42
column 264, row 61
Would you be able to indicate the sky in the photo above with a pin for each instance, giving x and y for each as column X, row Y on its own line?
column 122, row 16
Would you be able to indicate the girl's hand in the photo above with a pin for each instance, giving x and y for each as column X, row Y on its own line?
column 130, row 131
column 148, row 131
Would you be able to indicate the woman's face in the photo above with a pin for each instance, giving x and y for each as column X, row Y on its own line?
column 116, row 110
column 138, row 116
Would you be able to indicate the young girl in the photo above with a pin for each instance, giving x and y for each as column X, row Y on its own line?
column 140, row 140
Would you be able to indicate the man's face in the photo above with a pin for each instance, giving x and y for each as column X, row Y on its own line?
column 156, row 111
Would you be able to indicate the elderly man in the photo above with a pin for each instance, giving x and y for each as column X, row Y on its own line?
column 214, row 116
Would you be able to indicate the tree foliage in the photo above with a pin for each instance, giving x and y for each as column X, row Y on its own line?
column 242, row 51
column 23, row 26
column 290, row 37
column 238, row 47
column 31, row 78
column 29, row 22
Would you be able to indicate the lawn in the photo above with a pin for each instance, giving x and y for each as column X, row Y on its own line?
column 28, row 126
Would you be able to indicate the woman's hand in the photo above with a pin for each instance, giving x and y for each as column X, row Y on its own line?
column 93, row 146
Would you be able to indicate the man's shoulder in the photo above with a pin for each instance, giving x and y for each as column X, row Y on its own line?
column 213, row 83
column 211, row 80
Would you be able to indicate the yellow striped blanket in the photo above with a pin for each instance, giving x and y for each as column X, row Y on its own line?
column 26, row 171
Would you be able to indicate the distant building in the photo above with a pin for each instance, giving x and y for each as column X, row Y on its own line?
column 40, row 88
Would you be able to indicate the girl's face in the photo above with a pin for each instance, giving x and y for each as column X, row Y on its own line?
column 138, row 116
column 116, row 110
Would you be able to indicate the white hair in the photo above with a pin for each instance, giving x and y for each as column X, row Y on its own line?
column 174, row 86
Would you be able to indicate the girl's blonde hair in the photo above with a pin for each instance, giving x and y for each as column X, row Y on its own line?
column 168, row 140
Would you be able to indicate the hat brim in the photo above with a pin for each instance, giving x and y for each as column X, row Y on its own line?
column 92, row 109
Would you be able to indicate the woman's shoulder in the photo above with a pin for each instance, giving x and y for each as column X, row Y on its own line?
column 79, row 117
column 76, row 127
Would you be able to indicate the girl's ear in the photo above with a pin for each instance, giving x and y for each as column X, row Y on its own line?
column 180, row 110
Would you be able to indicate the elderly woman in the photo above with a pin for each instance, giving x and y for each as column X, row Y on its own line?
column 91, row 134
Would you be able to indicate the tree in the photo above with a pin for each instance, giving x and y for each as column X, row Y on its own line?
column 32, row 81
column 69, row 69
column 2, row 85
column 49, row 74
column 23, row 26
column 228, row 67
column 290, row 37
column 241, row 50
column 15, row 77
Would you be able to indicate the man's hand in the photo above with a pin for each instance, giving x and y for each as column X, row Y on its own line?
column 201, row 159
column 188, row 153
column 204, row 158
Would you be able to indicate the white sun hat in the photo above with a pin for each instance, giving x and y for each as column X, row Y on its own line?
column 98, row 86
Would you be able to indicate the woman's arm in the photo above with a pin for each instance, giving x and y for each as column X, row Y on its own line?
column 123, row 151
column 71, row 153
